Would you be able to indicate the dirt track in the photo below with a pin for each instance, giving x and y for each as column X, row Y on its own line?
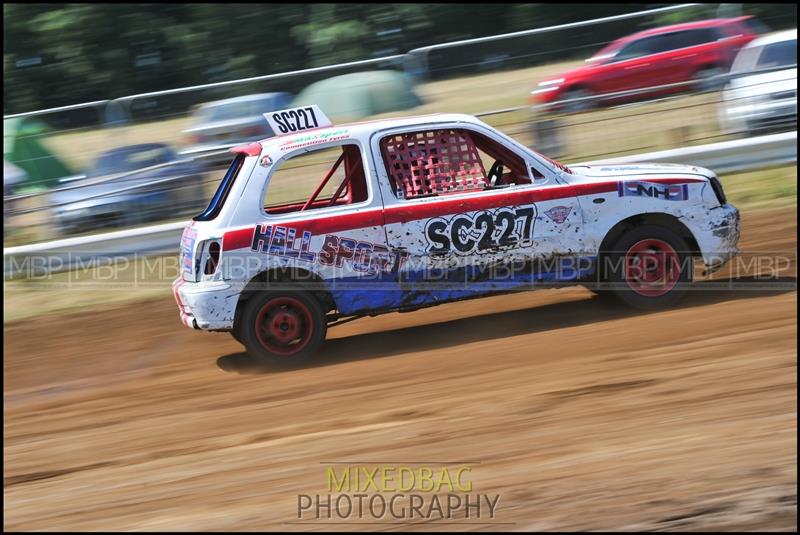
column 580, row 416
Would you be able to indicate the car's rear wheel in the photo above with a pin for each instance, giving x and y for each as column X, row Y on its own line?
column 649, row 267
column 282, row 328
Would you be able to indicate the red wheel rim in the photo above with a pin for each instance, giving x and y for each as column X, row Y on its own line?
column 652, row 267
column 284, row 326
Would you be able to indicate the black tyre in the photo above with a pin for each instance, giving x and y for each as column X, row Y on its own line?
column 649, row 267
column 282, row 328
column 236, row 332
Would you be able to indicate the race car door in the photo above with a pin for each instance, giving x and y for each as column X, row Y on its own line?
column 472, row 212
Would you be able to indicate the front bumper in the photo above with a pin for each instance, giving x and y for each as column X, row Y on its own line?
column 719, row 236
column 208, row 305
column 760, row 114
column 546, row 94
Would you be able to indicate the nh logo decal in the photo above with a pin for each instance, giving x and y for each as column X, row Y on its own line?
column 667, row 192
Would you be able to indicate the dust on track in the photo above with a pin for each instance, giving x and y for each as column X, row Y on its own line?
column 581, row 416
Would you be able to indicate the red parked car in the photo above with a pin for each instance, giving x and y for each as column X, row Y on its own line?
column 678, row 53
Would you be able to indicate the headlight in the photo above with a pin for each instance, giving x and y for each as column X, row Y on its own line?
column 716, row 185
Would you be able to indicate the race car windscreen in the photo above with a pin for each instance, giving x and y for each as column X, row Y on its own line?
column 224, row 188
column 606, row 53
column 558, row 164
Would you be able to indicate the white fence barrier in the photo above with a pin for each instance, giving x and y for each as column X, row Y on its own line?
column 726, row 156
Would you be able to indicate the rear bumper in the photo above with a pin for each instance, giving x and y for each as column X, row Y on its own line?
column 208, row 306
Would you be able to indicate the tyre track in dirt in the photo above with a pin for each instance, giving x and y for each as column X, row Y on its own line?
column 580, row 415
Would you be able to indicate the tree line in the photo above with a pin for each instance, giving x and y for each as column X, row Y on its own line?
column 60, row 54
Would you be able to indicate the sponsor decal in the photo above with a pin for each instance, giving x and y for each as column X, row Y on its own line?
column 622, row 168
column 187, row 248
column 667, row 192
column 483, row 231
column 280, row 241
column 315, row 139
column 266, row 161
column 559, row 214
column 363, row 256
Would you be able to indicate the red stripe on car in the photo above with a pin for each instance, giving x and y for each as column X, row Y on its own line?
column 237, row 239
column 175, row 286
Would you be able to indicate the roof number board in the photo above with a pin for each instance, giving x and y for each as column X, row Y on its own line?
column 295, row 120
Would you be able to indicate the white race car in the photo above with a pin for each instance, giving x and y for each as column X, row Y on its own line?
column 327, row 222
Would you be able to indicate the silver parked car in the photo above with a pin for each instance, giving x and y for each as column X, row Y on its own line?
column 220, row 125
column 762, row 93
column 127, row 186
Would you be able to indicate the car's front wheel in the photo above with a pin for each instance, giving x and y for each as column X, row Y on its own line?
column 282, row 328
column 578, row 99
column 649, row 267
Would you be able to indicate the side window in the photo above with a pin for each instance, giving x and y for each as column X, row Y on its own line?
column 778, row 55
column 432, row 162
column 317, row 179
column 439, row 162
column 723, row 32
column 665, row 43
column 689, row 38
column 504, row 167
column 642, row 47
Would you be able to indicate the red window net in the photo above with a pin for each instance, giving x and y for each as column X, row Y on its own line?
column 432, row 163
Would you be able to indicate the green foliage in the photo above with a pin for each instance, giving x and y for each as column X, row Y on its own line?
column 58, row 54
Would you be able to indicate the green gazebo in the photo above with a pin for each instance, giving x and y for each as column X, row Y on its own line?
column 22, row 146
column 362, row 94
